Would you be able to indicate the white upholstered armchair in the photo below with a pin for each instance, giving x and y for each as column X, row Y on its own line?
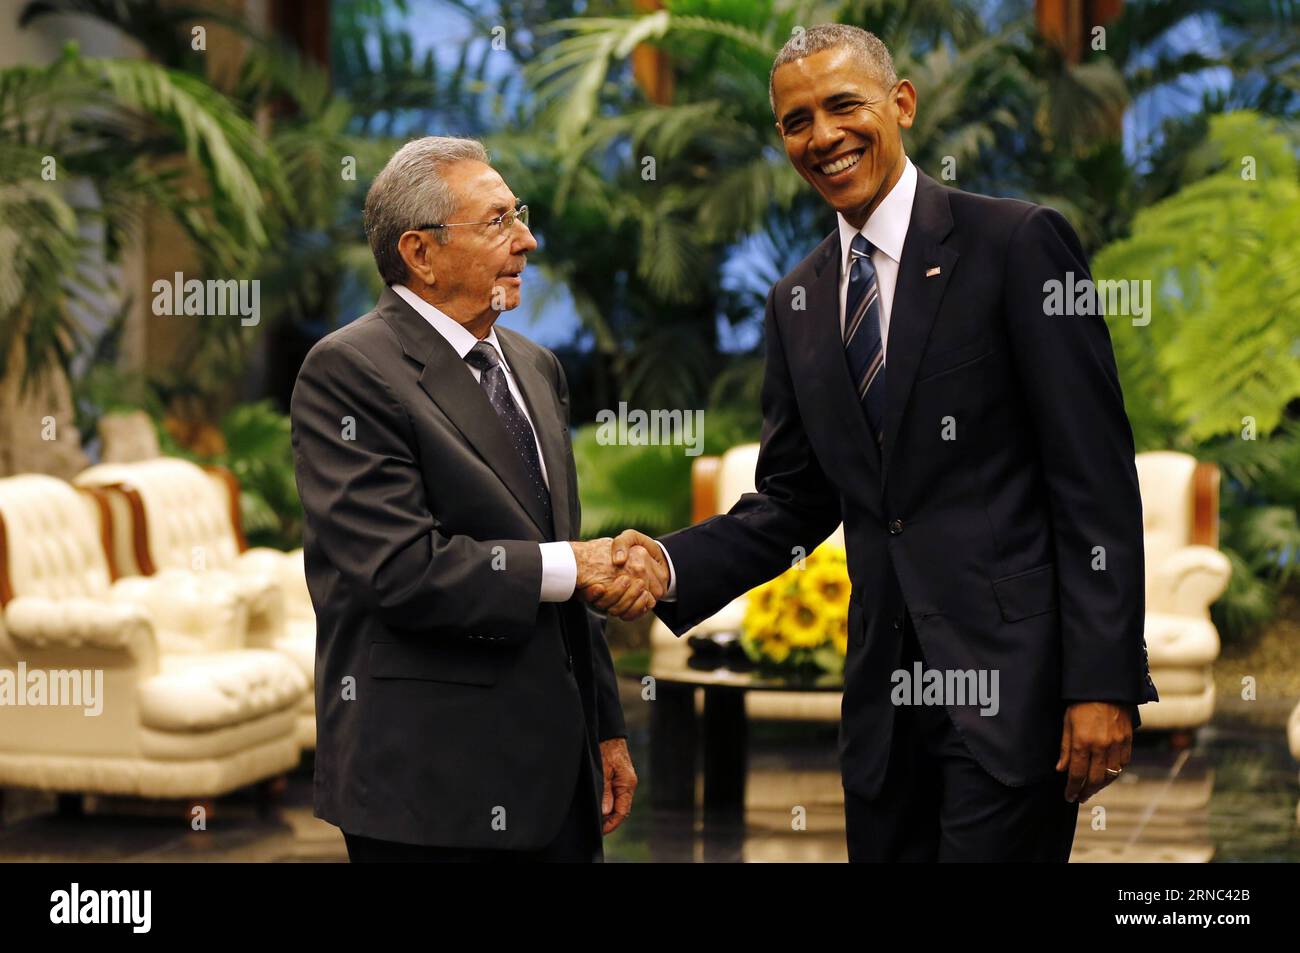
column 1185, row 573
column 136, row 687
column 173, row 515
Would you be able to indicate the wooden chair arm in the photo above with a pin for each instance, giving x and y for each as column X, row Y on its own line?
column 231, row 483
column 1205, row 504
column 704, row 488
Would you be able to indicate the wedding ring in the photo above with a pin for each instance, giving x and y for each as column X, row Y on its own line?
column 1114, row 772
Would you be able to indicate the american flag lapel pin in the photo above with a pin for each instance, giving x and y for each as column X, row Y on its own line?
column 932, row 272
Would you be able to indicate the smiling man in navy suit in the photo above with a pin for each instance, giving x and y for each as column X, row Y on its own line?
column 977, row 451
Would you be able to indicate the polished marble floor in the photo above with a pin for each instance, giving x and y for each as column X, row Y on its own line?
column 1230, row 797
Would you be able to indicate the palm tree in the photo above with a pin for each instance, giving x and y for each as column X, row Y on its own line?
column 999, row 105
column 642, row 204
column 309, row 205
column 86, row 146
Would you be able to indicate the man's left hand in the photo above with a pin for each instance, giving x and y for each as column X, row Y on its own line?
column 1095, row 736
column 620, row 783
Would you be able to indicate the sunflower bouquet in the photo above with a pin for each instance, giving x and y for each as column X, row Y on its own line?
column 799, row 622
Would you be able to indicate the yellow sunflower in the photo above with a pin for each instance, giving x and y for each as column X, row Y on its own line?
column 802, row 625
column 760, row 620
column 775, row 647
column 829, row 584
column 765, row 598
column 840, row 635
column 831, row 554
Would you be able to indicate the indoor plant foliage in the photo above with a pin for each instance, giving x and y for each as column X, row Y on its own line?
column 799, row 622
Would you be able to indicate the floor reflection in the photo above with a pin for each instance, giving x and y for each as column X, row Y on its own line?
column 1231, row 797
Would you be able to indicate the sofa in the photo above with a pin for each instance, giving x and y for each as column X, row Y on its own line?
column 180, row 709
column 171, row 514
column 1185, row 573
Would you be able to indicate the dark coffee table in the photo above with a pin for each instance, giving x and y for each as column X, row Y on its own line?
column 674, row 727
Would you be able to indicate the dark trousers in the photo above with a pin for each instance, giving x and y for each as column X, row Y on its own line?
column 939, row 804
column 578, row 842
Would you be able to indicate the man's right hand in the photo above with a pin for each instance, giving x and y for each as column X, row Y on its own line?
column 628, row 590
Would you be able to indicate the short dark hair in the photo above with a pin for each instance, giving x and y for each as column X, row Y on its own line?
column 866, row 47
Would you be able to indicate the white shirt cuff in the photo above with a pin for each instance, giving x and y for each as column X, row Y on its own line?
column 670, row 594
column 559, row 572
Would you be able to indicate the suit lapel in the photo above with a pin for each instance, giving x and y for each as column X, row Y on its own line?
column 448, row 381
column 916, row 301
column 537, row 391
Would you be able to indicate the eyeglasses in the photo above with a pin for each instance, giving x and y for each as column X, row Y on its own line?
column 503, row 222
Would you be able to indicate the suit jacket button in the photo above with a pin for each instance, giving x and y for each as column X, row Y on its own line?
column 895, row 527
column 898, row 622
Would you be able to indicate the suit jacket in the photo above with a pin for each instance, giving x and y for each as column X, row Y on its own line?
column 452, row 707
column 1005, row 476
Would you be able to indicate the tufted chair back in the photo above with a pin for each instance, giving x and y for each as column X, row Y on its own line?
column 736, row 475
column 53, row 540
column 1180, row 505
column 1165, row 479
column 188, row 515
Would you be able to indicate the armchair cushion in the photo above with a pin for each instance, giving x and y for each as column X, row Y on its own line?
column 201, row 692
column 78, row 621
column 1187, row 581
column 190, row 612
column 299, row 644
column 260, row 591
column 1180, row 641
column 287, row 569
column 1172, row 681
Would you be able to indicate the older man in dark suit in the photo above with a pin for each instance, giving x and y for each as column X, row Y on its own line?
column 466, row 702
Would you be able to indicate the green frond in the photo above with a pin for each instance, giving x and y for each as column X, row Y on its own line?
column 1221, row 354
column 211, row 130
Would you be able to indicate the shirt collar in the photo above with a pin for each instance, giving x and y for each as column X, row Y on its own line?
column 886, row 229
column 461, row 340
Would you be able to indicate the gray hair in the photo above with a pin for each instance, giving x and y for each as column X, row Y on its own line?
column 867, row 49
column 410, row 191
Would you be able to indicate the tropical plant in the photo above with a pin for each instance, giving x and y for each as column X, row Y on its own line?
column 1213, row 368
column 648, row 487
column 693, row 191
column 316, row 156
column 1002, row 112
column 86, row 146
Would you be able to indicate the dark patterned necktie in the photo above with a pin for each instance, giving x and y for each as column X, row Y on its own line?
column 862, row 344
column 483, row 356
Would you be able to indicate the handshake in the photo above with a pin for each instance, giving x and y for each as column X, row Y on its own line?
column 623, row 576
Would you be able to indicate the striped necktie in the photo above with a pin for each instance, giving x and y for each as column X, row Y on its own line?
column 862, row 344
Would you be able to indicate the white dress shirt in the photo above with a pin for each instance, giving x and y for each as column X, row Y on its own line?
column 559, row 565
column 886, row 229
